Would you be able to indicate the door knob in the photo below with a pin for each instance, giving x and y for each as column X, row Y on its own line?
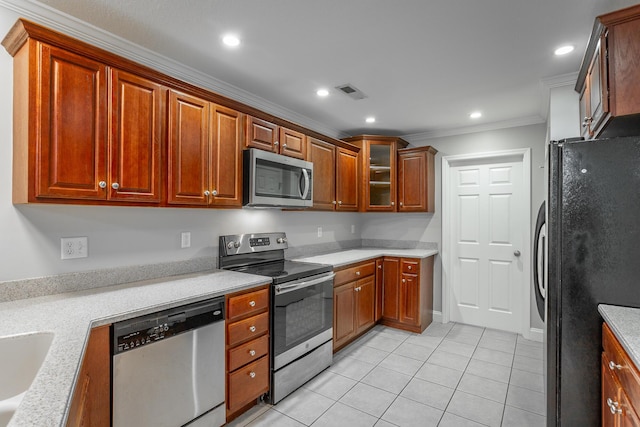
column 516, row 252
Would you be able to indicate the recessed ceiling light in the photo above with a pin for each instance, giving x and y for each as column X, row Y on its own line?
column 475, row 115
column 231, row 40
column 370, row 120
column 322, row 92
column 563, row 50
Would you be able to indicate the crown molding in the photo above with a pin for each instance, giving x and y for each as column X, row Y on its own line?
column 73, row 27
column 523, row 121
column 554, row 82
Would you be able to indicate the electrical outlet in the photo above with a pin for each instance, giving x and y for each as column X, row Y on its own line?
column 185, row 239
column 319, row 231
column 74, row 247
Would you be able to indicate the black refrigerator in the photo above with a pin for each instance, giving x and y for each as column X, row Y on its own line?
column 593, row 233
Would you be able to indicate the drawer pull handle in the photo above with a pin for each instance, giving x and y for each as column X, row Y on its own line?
column 613, row 366
column 252, row 303
column 252, row 353
column 404, row 280
column 252, row 374
column 613, row 407
column 252, row 328
column 409, row 267
column 357, row 273
column 380, row 267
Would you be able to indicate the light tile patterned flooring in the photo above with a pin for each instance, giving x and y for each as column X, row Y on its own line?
column 450, row 375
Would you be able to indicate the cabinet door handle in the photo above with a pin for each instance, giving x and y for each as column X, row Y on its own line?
column 393, row 203
column 252, row 374
column 115, row 185
column 613, row 366
column 357, row 273
column 400, row 203
column 252, row 303
column 380, row 267
column 206, row 193
column 102, row 184
column 404, row 281
column 214, row 192
column 276, row 143
column 339, row 202
column 334, row 202
column 614, row 407
column 284, row 145
column 252, row 353
column 252, row 328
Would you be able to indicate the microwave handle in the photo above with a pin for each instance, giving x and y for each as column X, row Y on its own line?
column 305, row 189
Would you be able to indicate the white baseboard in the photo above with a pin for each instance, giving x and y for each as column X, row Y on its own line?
column 437, row 317
column 535, row 334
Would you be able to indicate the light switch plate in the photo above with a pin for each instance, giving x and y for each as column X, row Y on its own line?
column 185, row 239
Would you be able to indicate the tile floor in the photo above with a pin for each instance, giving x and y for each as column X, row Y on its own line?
column 450, row 375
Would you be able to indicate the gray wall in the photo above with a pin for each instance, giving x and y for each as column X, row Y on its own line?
column 428, row 228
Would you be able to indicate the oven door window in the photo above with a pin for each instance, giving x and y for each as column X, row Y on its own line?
column 302, row 314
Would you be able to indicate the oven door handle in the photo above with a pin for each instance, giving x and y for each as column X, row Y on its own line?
column 281, row 289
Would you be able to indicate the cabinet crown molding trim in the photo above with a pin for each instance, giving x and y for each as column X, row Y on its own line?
column 83, row 31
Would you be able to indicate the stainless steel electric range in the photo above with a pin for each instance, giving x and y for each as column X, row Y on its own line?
column 301, row 307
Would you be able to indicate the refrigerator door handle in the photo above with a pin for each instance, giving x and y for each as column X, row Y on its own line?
column 539, row 260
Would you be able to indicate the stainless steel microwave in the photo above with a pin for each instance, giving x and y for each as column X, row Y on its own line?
column 274, row 180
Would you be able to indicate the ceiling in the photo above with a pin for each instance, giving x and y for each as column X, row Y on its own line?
column 424, row 65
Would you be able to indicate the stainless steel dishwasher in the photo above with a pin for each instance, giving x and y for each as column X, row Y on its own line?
column 169, row 367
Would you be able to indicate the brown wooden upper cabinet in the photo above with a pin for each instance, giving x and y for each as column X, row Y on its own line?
column 607, row 81
column 205, row 146
column 416, row 179
column 378, row 162
column 335, row 171
column 277, row 139
column 83, row 131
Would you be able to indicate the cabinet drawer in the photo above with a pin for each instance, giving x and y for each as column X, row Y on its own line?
column 355, row 273
column 247, row 383
column 247, row 329
column 620, row 365
column 246, row 304
column 248, row 352
column 410, row 266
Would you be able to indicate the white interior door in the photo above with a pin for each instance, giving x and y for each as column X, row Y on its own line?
column 487, row 236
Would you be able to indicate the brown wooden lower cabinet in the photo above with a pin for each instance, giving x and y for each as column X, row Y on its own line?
column 407, row 293
column 247, row 349
column 354, row 301
column 620, row 384
column 91, row 401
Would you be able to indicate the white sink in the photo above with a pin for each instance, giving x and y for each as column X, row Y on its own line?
column 20, row 359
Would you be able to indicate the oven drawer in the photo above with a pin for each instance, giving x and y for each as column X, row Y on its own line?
column 248, row 383
column 246, row 304
column 248, row 352
column 355, row 273
column 247, row 329
column 410, row 266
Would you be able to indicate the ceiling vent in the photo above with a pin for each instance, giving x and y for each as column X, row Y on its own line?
column 351, row 91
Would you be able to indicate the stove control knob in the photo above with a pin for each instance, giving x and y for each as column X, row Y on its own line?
column 236, row 245
column 282, row 240
column 230, row 245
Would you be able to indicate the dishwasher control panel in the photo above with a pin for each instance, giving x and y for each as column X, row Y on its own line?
column 145, row 330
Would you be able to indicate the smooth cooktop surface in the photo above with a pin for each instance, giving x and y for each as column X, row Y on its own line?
column 286, row 271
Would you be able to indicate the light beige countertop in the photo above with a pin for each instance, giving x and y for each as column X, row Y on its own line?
column 625, row 325
column 70, row 316
column 340, row 259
